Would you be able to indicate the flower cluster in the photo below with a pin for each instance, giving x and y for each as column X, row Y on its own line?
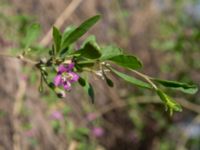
column 65, row 76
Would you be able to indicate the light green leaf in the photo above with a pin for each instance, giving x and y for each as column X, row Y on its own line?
column 70, row 48
column 132, row 80
column 170, row 103
column 109, row 52
column 67, row 32
column 127, row 61
column 57, row 37
column 184, row 87
column 89, row 51
column 32, row 34
column 81, row 30
column 91, row 39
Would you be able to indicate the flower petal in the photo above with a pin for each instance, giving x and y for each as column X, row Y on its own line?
column 58, row 80
column 65, row 67
column 75, row 77
column 62, row 68
column 70, row 66
column 67, row 86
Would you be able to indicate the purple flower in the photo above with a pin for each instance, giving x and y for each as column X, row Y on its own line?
column 98, row 131
column 65, row 76
column 57, row 115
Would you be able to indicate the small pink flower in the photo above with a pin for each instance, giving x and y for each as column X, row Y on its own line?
column 57, row 115
column 65, row 76
column 91, row 116
column 98, row 131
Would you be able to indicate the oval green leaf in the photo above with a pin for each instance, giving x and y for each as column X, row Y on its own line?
column 131, row 79
column 110, row 52
column 78, row 32
column 127, row 61
column 89, row 51
column 184, row 87
column 57, row 37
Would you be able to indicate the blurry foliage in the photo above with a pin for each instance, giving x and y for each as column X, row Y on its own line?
column 178, row 38
column 179, row 35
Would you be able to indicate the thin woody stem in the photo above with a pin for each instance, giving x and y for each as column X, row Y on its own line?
column 20, row 57
column 147, row 78
column 7, row 55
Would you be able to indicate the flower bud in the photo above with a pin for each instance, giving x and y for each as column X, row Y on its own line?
column 60, row 93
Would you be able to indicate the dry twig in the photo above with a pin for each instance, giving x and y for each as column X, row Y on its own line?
column 61, row 19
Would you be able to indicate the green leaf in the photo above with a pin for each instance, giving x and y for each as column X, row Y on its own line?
column 89, row 51
column 80, row 133
column 127, row 61
column 68, row 30
column 170, row 103
column 132, row 80
column 90, row 91
column 184, row 87
column 109, row 82
column 81, row 81
column 110, row 51
column 32, row 34
column 83, row 130
column 91, row 39
column 81, row 30
column 57, row 37
column 68, row 49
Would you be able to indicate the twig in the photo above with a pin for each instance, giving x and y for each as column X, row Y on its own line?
column 146, row 78
column 188, row 105
column 18, row 104
column 20, row 57
column 61, row 19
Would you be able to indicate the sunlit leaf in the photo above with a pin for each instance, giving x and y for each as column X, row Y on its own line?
column 170, row 103
column 78, row 32
column 89, row 51
column 132, row 80
column 57, row 37
column 110, row 52
column 127, row 61
column 32, row 34
column 65, row 35
column 184, row 87
column 90, row 39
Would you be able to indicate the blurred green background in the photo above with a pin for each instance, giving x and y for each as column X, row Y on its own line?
column 164, row 34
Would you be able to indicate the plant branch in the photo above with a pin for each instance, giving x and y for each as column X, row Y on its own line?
column 20, row 57
column 146, row 78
